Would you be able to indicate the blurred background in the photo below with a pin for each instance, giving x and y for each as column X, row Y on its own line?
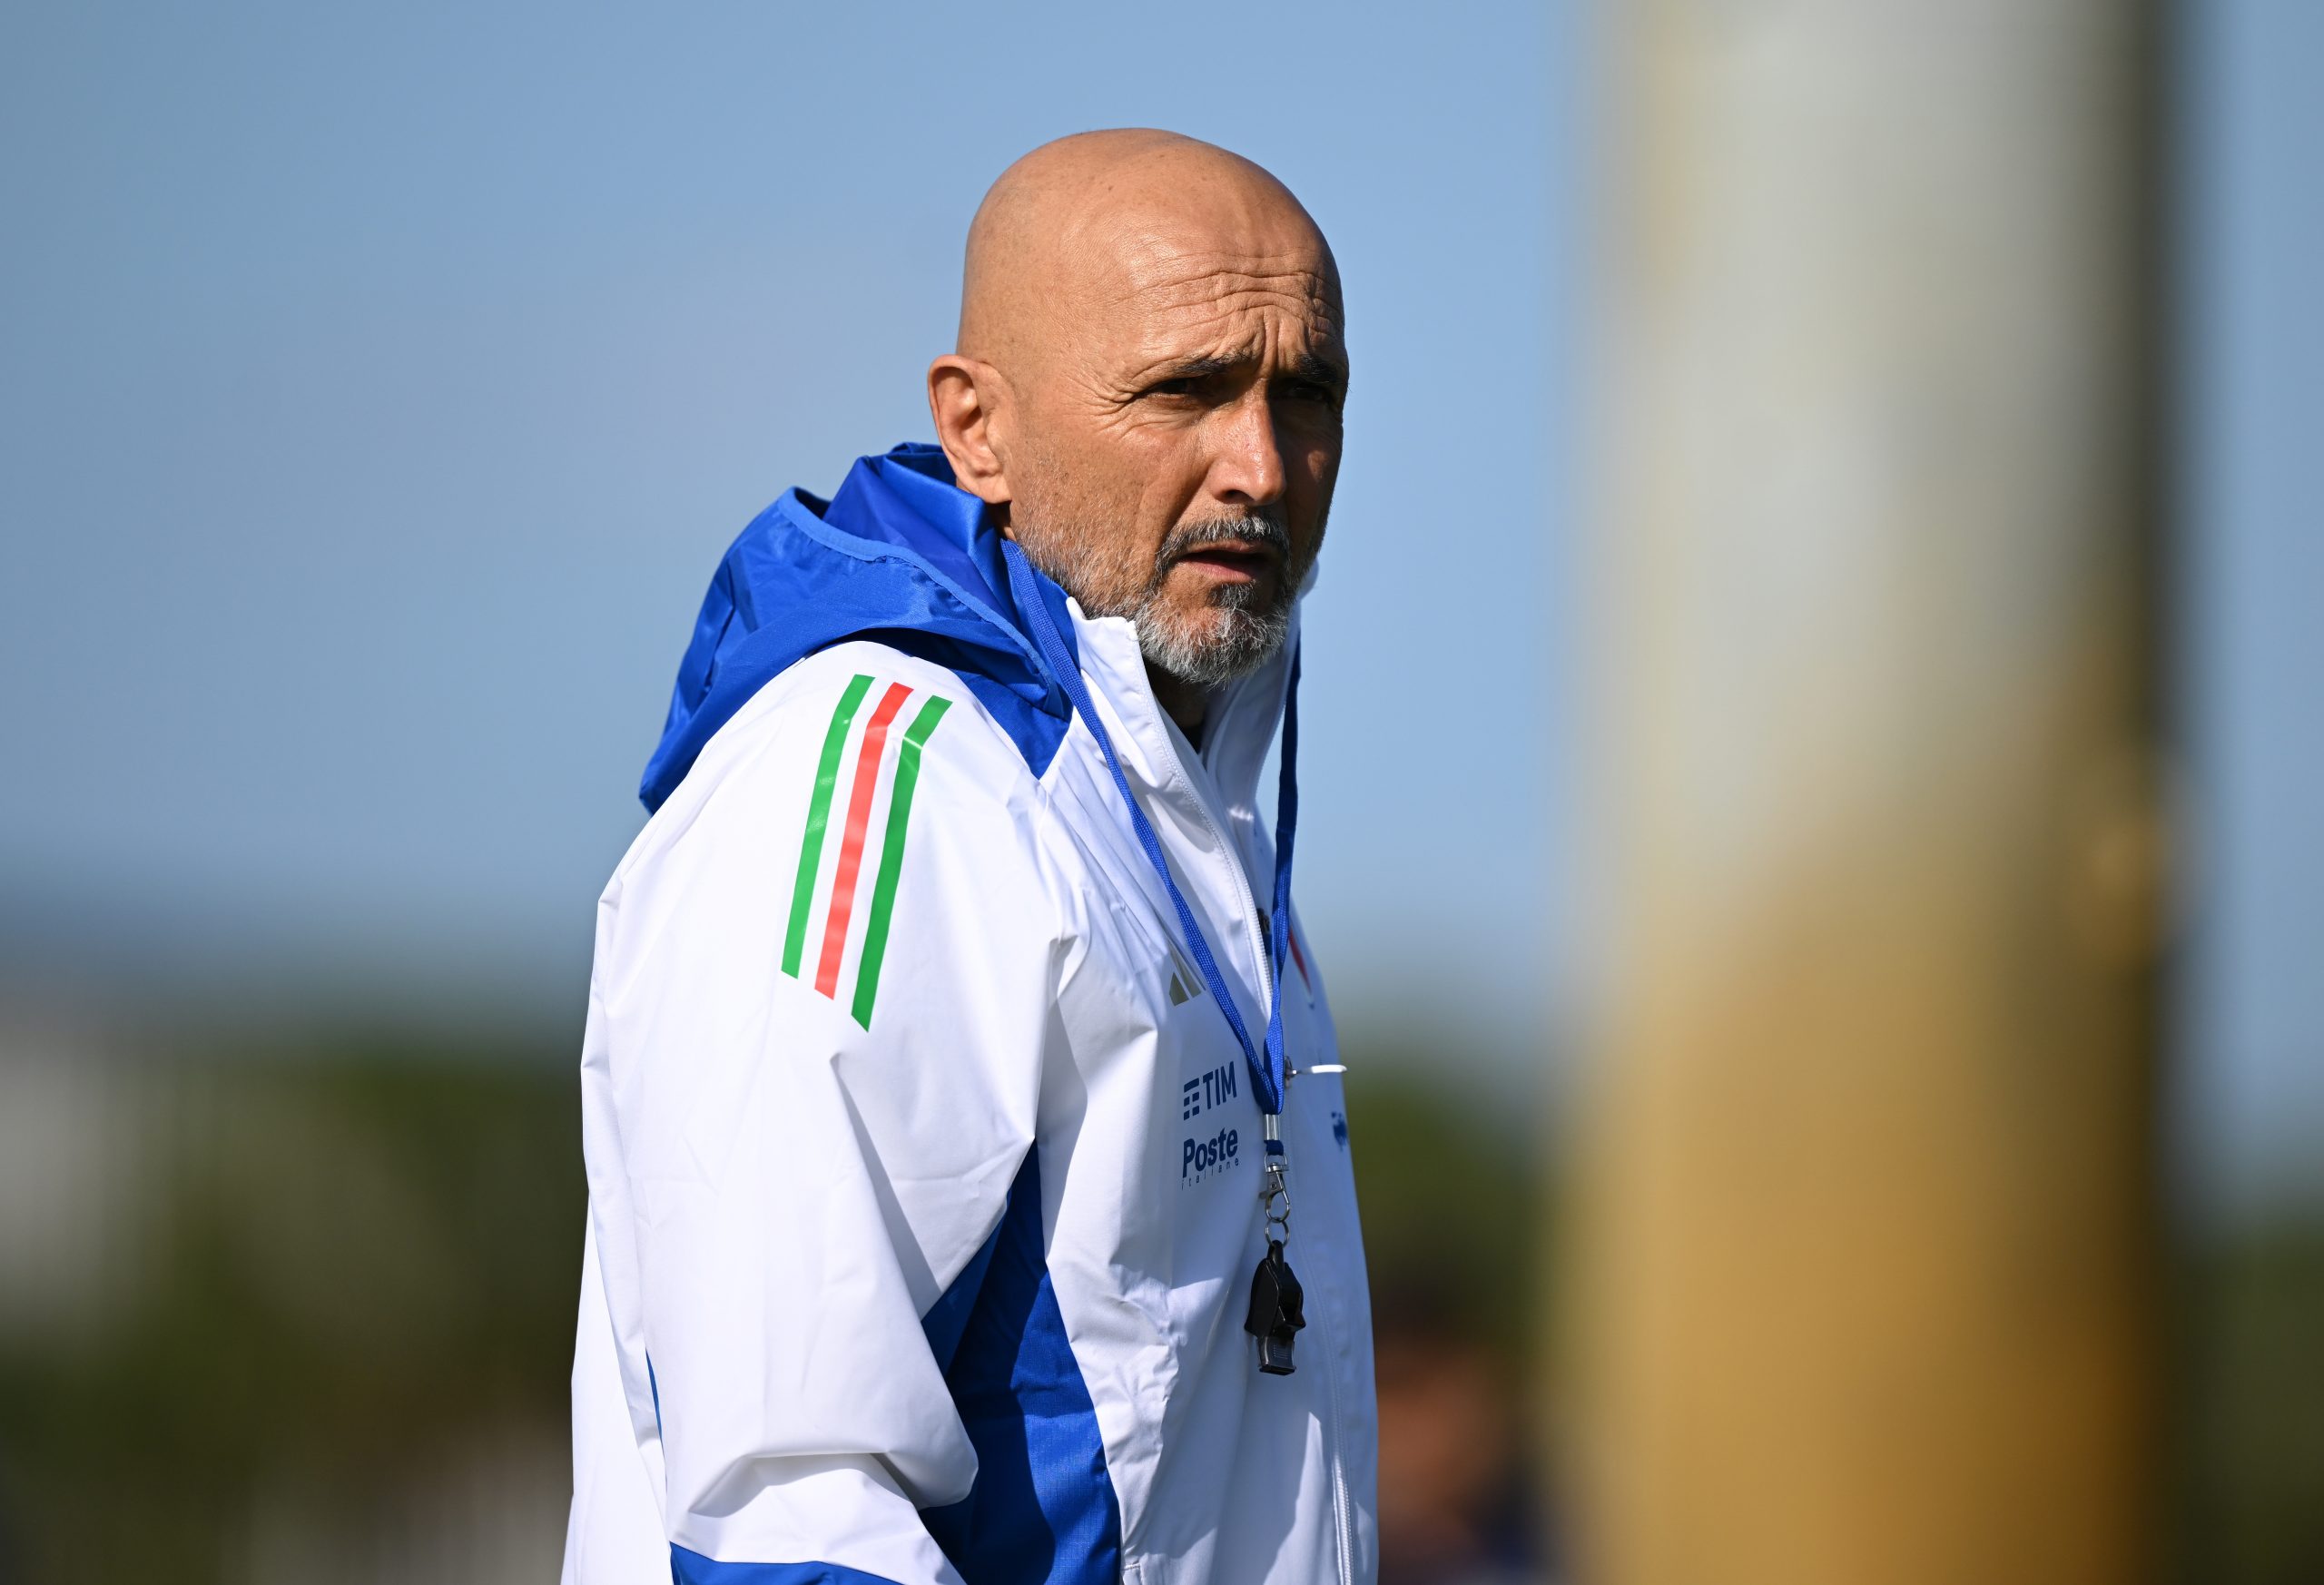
column 1843, row 1098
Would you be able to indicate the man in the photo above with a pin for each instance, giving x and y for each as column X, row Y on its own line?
column 954, row 1061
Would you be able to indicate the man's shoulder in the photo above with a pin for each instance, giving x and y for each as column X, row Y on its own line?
column 864, row 693
column 852, row 735
column 860, row 822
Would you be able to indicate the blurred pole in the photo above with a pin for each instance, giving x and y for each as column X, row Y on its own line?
column 1866, row 1218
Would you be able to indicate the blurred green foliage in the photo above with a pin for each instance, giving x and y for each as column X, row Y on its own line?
column 1454, row 1200
column 2251, row 1455
column 358, row 1256
column 363, row 1255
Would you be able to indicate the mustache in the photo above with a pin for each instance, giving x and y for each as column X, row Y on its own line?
column 1263, row 528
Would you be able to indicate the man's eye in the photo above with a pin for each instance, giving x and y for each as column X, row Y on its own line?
column 1309, row 390
column 1184, row 387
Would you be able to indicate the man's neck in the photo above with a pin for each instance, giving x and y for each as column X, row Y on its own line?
column 1182, row 701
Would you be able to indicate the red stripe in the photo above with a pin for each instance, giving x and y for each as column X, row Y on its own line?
column 1300, row 958
column 850, row 847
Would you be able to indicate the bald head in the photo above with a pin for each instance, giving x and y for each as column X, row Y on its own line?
column 1069, row 223
column 1147, row 388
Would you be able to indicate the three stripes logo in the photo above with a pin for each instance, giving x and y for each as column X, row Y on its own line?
column 879, row 780
column 1185, row 983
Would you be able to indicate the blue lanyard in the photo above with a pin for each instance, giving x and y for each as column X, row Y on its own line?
column 1266, row 1068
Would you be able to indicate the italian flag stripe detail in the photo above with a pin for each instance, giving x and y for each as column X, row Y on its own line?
column 882, row 777
column 891, row 856
column 850, row 841
column 819, row 814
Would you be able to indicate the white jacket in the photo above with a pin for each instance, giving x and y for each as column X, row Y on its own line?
column 923, row 1171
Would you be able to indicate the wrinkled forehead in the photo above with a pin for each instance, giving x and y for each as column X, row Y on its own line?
column 1242, row 283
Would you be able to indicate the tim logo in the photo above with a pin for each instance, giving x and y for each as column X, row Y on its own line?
column 1199, row 1158
column 1199, row 1095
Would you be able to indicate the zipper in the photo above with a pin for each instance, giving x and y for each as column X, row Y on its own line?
column 1342, row 1511
column 1342, row 1523
column 1343, row 1531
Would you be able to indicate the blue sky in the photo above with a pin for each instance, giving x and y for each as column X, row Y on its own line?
column 378, row 387
column 385, row 390
column 2252, row 699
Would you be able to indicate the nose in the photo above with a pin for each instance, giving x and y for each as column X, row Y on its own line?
column 1246, row 466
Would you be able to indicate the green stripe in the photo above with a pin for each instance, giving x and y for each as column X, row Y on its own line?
column 819, row 815
column 891, row 857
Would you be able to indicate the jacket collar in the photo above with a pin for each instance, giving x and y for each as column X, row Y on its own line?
column 1156, row 756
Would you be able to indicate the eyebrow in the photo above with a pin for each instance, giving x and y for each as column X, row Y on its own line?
column 1311, row 365
column 1198, row 369
column 1306, row 366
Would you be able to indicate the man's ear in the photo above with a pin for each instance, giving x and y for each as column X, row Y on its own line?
column 969, row 401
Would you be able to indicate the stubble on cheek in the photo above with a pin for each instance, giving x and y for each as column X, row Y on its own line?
column 1081, row 540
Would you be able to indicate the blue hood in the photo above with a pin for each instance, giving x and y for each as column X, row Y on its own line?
column 902, row 556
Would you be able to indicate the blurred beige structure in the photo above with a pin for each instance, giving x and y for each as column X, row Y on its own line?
column 1868, row 1233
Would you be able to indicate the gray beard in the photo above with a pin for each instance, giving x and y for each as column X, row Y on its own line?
column 1247, row 628
column 1245, row 638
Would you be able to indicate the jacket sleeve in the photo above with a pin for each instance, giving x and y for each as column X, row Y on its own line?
column 824, row 986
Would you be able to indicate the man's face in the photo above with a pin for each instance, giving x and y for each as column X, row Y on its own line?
column 1175, row 452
